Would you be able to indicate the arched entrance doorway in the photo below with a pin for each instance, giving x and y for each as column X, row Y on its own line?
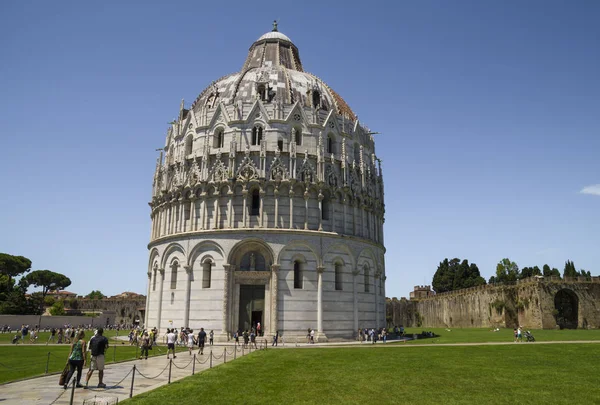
column 566, row 305
column 252, row 290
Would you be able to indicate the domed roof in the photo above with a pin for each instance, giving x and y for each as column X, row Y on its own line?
column 273, row 65
column 274, row 35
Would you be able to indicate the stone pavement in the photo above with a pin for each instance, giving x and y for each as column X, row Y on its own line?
column 149, row 374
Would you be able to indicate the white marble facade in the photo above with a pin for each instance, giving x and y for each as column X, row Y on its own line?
column 267, row 206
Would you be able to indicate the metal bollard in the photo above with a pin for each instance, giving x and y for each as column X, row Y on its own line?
column 115, row 353
column 170, row 365
column 47, row 362
column 234, row 351
column 73, row 389
column 194, row 365
column 224, row 355
column 210, row 356
column 132, row 380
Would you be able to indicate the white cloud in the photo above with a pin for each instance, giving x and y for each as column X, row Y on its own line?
column 593, row 190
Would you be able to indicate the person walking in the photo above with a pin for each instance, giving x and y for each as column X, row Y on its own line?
column 275, row 338
column 146, row 345
column 211, row 336
column 171, row 339
column 52, row 336
column 191, row 341
column 201, row 340
column 98, row 346
column 77, row 359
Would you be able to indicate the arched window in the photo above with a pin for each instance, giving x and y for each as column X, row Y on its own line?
column 316, row 98
column 189, row 144
column 262, row 91
column 255, row 207
column 325, row 208
column 298, row 135
column 257, row 133
column 206, row 273
column 218, row 138
column 297, row 274
column 367, row 287
column 330, row 144
column 338, row 277
column 280, row 144
column 174, row 268
column 357, row 153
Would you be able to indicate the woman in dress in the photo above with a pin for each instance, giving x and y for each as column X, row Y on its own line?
column 191, row 341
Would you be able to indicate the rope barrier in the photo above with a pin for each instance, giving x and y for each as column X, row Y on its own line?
column 217, row 357
column 152, row 378
column 116, row 385
column 201, row 362
column 183, row 368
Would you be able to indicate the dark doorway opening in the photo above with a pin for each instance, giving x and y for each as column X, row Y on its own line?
column 252, row 306
column 566, row 305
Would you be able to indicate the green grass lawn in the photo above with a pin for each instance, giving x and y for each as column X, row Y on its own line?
column 480, row 335
column 520, row 373
column 29, row 360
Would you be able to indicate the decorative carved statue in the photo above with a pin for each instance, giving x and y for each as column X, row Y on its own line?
column 252, row 262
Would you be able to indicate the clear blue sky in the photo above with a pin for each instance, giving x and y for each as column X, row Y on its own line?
column 489, row 114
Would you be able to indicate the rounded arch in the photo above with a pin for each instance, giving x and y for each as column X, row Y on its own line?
column 153, row 258
column 566, row 305
column 333, row 253
column 189, row 144
column 201, row 248
column 300, row 243
column 218, row 136
column 248, row 245
column 366, row 256
column 172, row 249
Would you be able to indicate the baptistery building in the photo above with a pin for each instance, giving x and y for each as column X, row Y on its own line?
column 267, row 206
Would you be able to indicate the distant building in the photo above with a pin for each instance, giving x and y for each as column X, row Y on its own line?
column 65, row 295
column 421, row 291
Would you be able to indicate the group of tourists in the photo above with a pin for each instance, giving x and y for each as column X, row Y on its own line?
column 248, row 336
column 186, row 337
column 372, row 335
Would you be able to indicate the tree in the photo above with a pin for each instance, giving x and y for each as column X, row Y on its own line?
column 48, row 280
column 58, row 308
column 507, row 271
column 454, row 275
column 570, row 270
column 12, row 294
column 95, row 295
column 13, row 266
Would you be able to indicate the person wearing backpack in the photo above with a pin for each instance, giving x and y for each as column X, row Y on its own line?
column 98, row 346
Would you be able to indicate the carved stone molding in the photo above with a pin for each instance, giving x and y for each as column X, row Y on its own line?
column 251, row 277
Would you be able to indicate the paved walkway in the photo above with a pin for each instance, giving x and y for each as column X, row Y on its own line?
column 149, row 374
column 154, row 372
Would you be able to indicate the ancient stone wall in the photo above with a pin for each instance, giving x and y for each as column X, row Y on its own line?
column 530, row 303
column 122, row 310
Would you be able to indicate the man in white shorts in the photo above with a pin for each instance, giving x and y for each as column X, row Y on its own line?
column 98, row 346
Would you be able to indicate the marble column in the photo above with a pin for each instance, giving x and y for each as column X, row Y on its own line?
column 181, row 226
column 355, row 274
column 160, row 299
column 377, row 317
column 306, row 197
column 188, row 288
column 225, row 316
column 192, row 213
column 321, row 337
column 276, row 192
column 291, row 209
column 261, row 216
column 320, row 212
column 274, row 298
column 148, row 300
